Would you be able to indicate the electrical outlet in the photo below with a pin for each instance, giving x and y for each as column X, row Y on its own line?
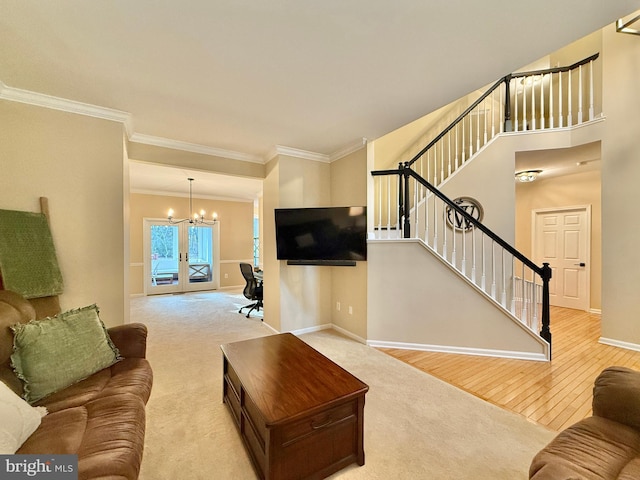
column 338, row 306
column 226, row 275
column 350, row 310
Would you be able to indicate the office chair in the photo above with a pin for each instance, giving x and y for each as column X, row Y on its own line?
column 252, row 290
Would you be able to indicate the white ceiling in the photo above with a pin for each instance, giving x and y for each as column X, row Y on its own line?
column 247, row 76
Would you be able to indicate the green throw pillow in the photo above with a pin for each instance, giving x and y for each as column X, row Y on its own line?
column 51, row 354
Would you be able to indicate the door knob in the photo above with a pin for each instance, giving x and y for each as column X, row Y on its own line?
column 581, row 264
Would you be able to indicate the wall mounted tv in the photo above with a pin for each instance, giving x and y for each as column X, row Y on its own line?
column 321, row 236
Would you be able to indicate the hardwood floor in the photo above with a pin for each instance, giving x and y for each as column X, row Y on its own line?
column 555, row 394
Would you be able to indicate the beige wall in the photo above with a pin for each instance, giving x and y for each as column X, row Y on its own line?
column 236, row 232
column 620, row 190
column 564, row 191
column 77, row 162
column 304, row 297
column 195, row 161
column 419, row 319
column 305, row 291
column 271, row 201
column 349, row 284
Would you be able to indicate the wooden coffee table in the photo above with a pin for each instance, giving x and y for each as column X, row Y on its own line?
column 300, row 415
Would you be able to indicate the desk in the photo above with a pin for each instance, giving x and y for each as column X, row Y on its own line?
column 299, row 414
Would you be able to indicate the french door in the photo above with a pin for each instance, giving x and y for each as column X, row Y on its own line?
column 180, row 257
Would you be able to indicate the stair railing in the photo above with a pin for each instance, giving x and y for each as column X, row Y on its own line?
column 451, row 230
column 524, row 101
column 518, row 102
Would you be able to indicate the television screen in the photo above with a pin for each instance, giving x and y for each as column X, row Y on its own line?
column 328, row 234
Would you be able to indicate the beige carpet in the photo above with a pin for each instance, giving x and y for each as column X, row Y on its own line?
column 416, row 426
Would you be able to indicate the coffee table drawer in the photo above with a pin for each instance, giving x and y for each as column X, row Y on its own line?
column 254, row 416
column 232, row 400
column 232, row 376
column 316, row 423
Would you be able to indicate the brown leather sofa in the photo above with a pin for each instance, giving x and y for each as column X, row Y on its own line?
column 101, row 418
column 604, row 446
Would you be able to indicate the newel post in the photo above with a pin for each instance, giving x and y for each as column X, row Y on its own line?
column 407, row 209
column 546, row 317
column 508, row 127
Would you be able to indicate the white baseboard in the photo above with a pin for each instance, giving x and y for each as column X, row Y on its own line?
column 620, row 344
column 348, row 334
column 270, row 327
column 595, row 311
column 316, row 328
column 539, row 357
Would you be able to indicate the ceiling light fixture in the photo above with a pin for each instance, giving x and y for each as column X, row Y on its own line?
column 197, row 218
column 528, row 175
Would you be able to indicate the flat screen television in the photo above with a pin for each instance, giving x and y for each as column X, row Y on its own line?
column 321, row 236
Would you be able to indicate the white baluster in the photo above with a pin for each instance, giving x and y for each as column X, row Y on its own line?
column 542, row 102
column 426, row 215
column 515, row 101
column 454, row 236
column 501, row 110
column 388, row 206
column 435, row 224
column 484, row 104
column 504, row 281
column 444, row 231
column 533, row 102
column 441, row 162
column 378, row 183
column 464, row 247
column 493, row 270
column 492, row 106
column 449, row 152
column 462, row 144
column 560, row 100
column 551, row 100
column 569, row 103
column 470, row 138
column 457, row 129
column 534, row 306
column 525, row 122
column 478, row 127
column 579, row 94
column 473, row 254
column 435, row 165
column 591, row 113
column 523, row 306
column 483, row 282
column 416, row 226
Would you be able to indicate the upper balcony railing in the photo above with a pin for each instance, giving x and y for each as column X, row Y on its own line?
column 524, row 101
column 408, row 203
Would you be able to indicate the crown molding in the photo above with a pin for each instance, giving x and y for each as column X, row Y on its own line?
column 65, row 105
column 348, row 149
column 72, row 106
column 193, row 147
column 297, row 153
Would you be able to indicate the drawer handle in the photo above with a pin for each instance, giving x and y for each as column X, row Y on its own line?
column 322, row 425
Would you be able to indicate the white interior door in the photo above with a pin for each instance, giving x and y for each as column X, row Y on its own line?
column 181, row 257
column 562, row 238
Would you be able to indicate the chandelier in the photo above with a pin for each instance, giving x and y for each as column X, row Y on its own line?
column 197, row 219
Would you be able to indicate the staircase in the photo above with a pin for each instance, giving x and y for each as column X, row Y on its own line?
column 409, row 203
